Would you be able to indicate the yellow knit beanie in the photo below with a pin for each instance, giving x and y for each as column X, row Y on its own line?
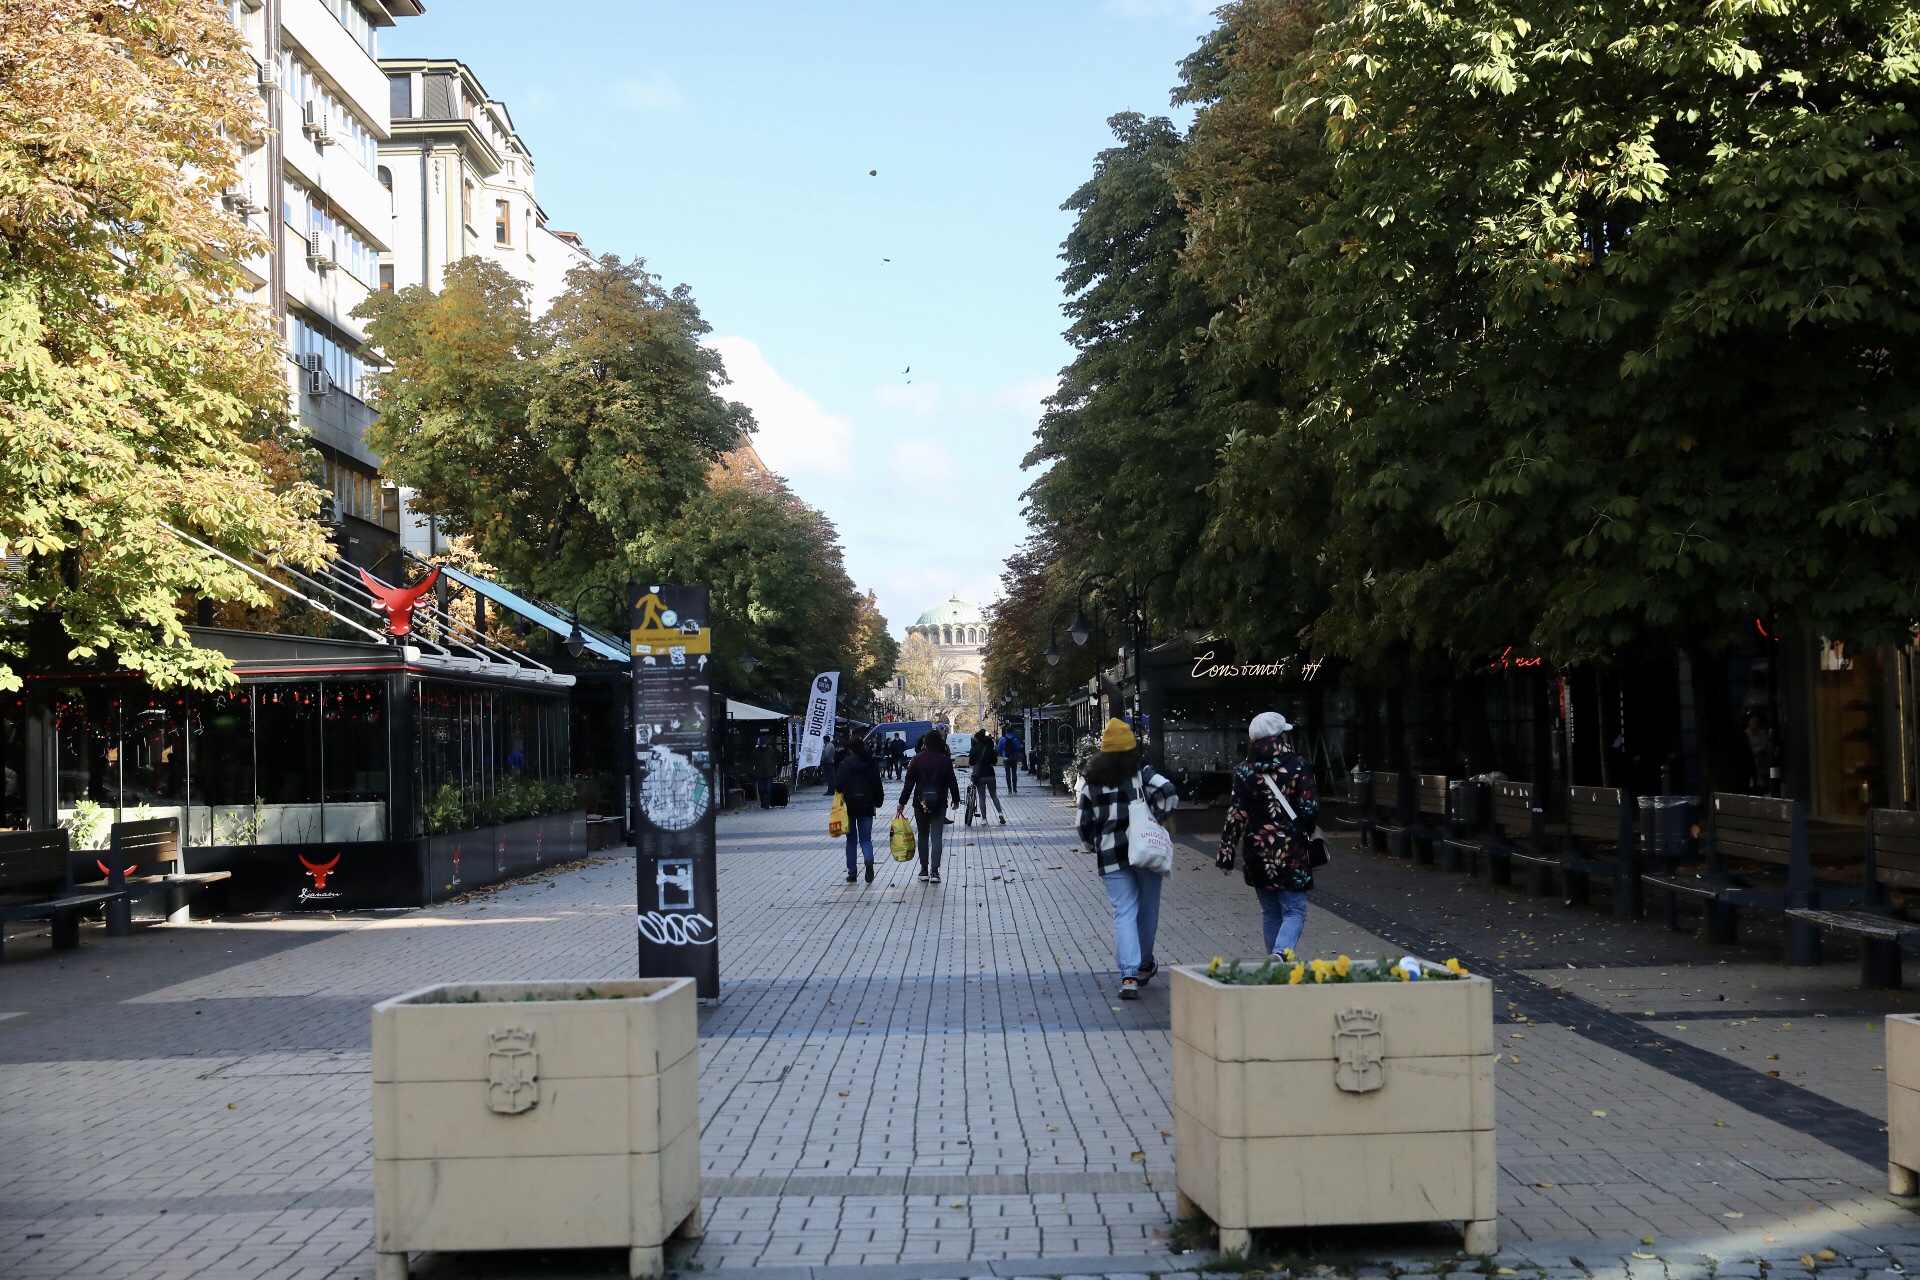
column 1117, row 737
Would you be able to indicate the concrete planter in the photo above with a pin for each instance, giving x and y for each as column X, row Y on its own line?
column 1339, row 1104
column 1903, row 1104
column 531, row 1115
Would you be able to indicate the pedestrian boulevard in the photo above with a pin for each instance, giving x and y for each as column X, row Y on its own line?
column 935, row 1079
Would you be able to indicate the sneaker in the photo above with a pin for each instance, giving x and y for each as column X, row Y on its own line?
column 923, row 873
column 1129, row 989
column 869, row 873
column 851, row 877
column 1003, row 819
column 935, row 877
column 1146, row 973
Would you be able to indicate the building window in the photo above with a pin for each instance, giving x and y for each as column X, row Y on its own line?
column 346, row 368
column 502, row 222
column 386, row 178
column 400, row 96
column 466, row 203
column 386, row 277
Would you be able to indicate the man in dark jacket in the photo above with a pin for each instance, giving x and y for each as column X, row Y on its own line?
column 857, row 777
column 980, row 762
column 933, row 789
column 1012, row 750
column 764, row 763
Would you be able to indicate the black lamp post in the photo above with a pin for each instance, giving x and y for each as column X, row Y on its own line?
column 576, row 638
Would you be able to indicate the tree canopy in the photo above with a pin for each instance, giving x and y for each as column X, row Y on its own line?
column 593, row 446
column 135, row 394
column 1532, row 323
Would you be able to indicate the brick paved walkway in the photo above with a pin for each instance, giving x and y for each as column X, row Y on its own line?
column 934, row 1076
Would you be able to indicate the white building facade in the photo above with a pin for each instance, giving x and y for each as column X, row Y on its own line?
column 462, row 184
column 312, row 189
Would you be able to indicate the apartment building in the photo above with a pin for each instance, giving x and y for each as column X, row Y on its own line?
column 313, row 188
column 462, row 181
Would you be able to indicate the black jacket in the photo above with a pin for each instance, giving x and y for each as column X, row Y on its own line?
column 930, row 777
column 858, row 780
column 983, row 756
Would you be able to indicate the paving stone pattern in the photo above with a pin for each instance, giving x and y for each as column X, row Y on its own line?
column 905, row 1079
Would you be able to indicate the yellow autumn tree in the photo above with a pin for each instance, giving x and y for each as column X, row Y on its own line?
column 136, row 394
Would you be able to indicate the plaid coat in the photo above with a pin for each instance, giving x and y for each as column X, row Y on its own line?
column 1103, row 813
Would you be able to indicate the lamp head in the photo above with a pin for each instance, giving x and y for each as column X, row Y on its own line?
column 576, row 642
column 748, row 662
column 1079, row 628
column 1053, row 653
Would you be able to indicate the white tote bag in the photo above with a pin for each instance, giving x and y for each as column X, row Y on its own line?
column 1149, row 847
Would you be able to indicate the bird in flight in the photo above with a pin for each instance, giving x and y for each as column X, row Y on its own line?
column 873, row 173
column 908, row 369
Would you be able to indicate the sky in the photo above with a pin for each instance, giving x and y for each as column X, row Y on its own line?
column 865, row 200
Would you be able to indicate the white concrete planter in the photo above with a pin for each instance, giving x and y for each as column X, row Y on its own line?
column 1338, row 1104
column 1903, row 1104
column 524, row 1116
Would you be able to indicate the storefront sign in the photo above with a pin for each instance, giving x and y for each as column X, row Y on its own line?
column 1206, row 668
column 676, row 900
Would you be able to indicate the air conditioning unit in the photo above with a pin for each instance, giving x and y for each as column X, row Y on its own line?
column 321, row 255
column 240, row 200
column 312, row 361
column 318, row 382
column 263, row 74
column 313, row 123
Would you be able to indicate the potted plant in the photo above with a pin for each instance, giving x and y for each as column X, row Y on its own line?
column 1334, row 1092
column 529, row 1115
column 1903, row 1104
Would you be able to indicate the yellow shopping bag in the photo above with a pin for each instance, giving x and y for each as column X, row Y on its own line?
column 902, row 840
column 837, row 820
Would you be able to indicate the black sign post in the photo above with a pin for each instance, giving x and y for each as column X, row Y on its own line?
column 677, row 906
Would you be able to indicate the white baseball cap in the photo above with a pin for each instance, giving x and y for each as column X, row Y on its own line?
column 1268, row 724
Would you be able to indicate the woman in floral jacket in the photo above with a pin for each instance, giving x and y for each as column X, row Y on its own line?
column 1278, row 863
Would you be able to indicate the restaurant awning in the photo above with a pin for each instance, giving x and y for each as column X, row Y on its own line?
column 600, row 644
column 747, row 711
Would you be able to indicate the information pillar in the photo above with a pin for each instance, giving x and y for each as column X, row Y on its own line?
column 677, row 906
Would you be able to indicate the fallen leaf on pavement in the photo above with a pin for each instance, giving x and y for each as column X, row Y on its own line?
column 1601, row 1114
column 1733, row 1215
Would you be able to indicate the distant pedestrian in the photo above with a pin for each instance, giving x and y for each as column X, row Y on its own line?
column 1277, row 861
column 1112, row 780
column 763, row 762
column 980, row 762
column 1012, row 750
column 828, row 763
column 857, row 775
column 896, row 755
column 929, row 785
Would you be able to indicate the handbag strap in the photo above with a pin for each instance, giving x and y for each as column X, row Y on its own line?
column 1279, row 796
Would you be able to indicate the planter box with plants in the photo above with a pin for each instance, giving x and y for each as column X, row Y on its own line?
column 536, row 1115
column 1903, row 1104
column 1334, row 1093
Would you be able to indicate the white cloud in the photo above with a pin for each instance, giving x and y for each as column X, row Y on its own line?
column 917, row 399
column 796, row 435
column 923, row 461
column 651, row 92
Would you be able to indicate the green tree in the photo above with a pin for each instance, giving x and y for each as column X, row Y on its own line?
column 1614, row 321
column 135, row 394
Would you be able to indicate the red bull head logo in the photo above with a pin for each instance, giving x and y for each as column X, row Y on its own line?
column 398, row 603
column 320, row 871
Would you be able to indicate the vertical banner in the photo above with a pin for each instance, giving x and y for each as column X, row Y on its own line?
column 677, row 904
column 818, row 731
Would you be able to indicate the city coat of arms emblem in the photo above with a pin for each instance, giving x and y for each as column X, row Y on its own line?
column 1359, row 1051
column 513, row 1071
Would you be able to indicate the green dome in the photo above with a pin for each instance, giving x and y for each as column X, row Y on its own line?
column 955, row 610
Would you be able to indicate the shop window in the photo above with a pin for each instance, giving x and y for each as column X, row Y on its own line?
column 1848, row 770
column 220, row 746
column 287, row 720
column 486, row 756
column 354, row 747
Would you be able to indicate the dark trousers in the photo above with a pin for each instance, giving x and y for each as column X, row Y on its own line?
column 1013, row 777
column 766, row 791
column 932, row 827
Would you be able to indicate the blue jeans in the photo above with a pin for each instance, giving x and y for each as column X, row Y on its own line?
column 860, row 830
column 1283, row 916
column 1135, row 895
column 765, row 787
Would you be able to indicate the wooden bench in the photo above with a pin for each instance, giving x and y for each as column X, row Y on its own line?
column 1755, row 830
column 1891, row 860
column 1381, row 817
column 1467, row 822
column 36, row 883
column 143, row 855
column 1598, row 841
column 1516, row 833
column 1429, row 813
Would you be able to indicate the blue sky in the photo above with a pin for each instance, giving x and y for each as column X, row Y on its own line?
column 730, row 145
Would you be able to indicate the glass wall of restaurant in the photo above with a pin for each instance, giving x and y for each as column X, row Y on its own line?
column 270, row 763
column 486, row 755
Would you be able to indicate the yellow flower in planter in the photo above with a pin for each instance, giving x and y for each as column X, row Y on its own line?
column 1342, row 965
column 1289, row 957
column 1457, row 967
column 1297, row 976
column 1403, row 974
column 1321, row 969
column 1214, row 967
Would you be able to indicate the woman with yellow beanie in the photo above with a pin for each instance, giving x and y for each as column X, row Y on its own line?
column 1113, row 780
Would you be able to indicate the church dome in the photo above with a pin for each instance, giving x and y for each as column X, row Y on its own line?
column 955, row 610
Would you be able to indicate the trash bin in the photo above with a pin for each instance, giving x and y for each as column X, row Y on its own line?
column 1666, row 829
column 1467, row 802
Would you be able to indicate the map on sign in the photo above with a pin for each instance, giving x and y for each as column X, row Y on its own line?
column 673, row 790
